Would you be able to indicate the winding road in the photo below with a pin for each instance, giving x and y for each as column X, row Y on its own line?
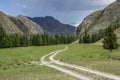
column 70, row 72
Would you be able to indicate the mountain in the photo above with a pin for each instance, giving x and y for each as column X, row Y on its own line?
column 117, row 31
column 8, row 25
column 52, row 26
column 36, row 25
column 100, row 19
column 19, row 25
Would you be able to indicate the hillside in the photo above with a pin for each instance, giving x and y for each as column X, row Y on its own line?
column 100, row 19
column 117, row 31
column 8, row 25
column 19, row 24
column 52, row 26
column 32, row 27
column 36, row 25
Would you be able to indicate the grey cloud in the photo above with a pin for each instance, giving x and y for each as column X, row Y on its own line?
column 64, row 5
column 71, row 5
column 68, row 11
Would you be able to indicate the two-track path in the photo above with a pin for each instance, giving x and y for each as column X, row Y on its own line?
column 48, row 64
column 70, row 72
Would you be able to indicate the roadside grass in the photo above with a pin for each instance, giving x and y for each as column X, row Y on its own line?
column 13, row 64
column 34, row 73
column 92, row 56
column 87, row 74
column 13, row 57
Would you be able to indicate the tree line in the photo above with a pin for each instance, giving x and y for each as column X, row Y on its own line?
column 110, row 39
column 91, row 38
column 98, row 35
column 18, row 40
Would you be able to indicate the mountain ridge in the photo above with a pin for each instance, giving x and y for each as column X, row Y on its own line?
column 37, row 25
column 15, row 25
column 100, row 19
column 52, row 26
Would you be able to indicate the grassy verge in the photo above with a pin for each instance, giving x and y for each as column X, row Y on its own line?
column 12, row 65
column 33, row 73
column 87, row 74
column 92, row 56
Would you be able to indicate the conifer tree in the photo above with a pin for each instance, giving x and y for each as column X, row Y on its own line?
column 24, row 40
column 57, row 39
column 39, row 41
column 2, row 37
column 16, row 40
column 110, row 39
column 7, row 41
column 44, row 39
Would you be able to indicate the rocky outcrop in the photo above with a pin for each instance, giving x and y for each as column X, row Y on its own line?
column 88, row 21
column 26, row 25
column 117, row 31
column 19, row 25
column 30, row 26
column 9, row 25
column 52, row 26
column 100, row 19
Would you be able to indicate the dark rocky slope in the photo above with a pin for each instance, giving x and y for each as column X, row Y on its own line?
column 52, row 26
column 100, row 19
column 19, row 25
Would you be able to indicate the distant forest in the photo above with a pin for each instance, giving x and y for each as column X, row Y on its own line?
column 86, row 38
column 18, row 40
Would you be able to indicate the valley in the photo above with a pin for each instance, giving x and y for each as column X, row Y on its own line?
column 16, row 63
column 39, row 40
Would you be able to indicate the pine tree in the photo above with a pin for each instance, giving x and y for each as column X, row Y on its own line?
column 39, row 41
column 2, row 37
column 66, row 40
column 47, row 39
column 57, row 39
column 110, row 39
column 16, row 40
column 80, row 40
column 86, row 37
column 51, row 40
column 44, row 39
column 24, row 40
column 7, row 41
column 69, row 39
column 33, row 40
column 62, row 37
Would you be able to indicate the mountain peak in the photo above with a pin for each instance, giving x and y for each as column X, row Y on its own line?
column 19, row 25
column 52, row 26
column 100, row 19
column 49, row 17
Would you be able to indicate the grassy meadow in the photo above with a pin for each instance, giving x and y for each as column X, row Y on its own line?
column 13, row 67
column 13, row 61
column 92, row 56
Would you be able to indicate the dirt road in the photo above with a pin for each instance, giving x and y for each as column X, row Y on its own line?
column 70, row 72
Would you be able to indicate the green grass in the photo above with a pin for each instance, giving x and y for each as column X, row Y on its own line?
column 17, row 56
column 92, row 56
column 12, row 61
column 93, row 76
column 12, row 64
column 33, row 73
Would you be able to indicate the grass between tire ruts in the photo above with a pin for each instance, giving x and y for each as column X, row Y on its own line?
column 93, row 57
column 13, row 67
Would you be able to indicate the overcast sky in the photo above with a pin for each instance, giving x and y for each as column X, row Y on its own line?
column 67, row 11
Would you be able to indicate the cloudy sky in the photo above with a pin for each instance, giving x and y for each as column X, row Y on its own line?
column 67, row 11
